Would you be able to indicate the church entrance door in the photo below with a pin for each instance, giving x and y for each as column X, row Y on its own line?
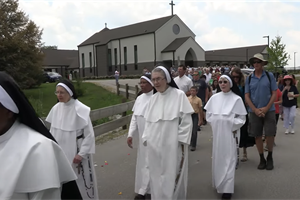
column 190, row 58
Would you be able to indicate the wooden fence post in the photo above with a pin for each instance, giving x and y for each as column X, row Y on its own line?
column 127, row 91
column 124, row 113
column 118, row 89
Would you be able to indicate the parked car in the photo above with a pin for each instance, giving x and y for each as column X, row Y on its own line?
column 51, row 77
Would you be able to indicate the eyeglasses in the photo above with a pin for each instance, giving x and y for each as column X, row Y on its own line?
column 235, row 77
column 225, row 82
column 195, row 74
column 257, row 61
column 157, row 80
column 57, row 93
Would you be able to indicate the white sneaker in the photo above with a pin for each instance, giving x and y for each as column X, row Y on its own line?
column 292, row 131
column 287, row 131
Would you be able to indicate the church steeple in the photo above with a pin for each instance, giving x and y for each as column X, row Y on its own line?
column 105, row 29
column 172, row 5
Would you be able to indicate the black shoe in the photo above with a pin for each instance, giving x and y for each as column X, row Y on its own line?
column 139, row 196
column 204, row 122
column 262, row 165
column 199, row 129
column 270, row 164
column 193, row 148
column 226, row 196
column 148, row 196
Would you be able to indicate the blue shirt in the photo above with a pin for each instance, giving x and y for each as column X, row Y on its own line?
column 259, row 90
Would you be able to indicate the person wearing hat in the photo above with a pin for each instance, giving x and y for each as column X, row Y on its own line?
column 260, row 94
column 289, row 103
column 167, row 135
column 71, row 126
column 136, row 129
column 33, row 165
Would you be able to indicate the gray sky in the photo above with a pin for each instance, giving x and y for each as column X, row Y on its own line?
column 218, row 24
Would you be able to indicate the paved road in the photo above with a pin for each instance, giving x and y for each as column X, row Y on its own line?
column 281, row 183
column 110, row 84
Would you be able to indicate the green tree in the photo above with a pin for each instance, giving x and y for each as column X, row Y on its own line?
column 277, row 55
column 50, row 47
column 20, row 45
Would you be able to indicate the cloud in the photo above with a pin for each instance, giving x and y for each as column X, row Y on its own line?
column 217, row 24
column 294, row 36
column 273, row 13
column 220, row 38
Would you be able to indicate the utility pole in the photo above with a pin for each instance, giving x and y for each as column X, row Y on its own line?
column 295, row 61
column 266, row 36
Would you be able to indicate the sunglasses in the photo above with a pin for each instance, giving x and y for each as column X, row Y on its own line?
column 257, row 61
column 225, row 82
column 235, row 77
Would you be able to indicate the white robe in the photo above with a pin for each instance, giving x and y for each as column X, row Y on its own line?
column 33, row 166
column 226, row 113
column 69, row 121
column 136, row 130
column 167, row 132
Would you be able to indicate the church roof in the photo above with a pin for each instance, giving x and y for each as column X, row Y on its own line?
column 234, row 54
column 106, row 35
column 58, row 57
column 173, row 46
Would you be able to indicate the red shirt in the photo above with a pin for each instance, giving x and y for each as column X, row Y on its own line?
column 278, row 95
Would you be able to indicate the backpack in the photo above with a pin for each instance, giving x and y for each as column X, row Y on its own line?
column 268, row 75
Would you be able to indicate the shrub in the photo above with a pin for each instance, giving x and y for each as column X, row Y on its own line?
column 79, row 88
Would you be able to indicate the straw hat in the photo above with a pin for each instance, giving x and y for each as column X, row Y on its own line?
column 259, row 57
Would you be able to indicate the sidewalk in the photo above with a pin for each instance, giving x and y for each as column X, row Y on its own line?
column 110, row 84
column 281, row 183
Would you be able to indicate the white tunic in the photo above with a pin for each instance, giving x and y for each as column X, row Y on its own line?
column 33, row 166
column 184, row 83
column 72, row 128
column 226, row 113
column 167, row 136
column 136, row 130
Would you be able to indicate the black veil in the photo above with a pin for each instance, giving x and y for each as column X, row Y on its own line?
column 172, row 83
column 235, row 89
column 28, row 116
column 71, row 86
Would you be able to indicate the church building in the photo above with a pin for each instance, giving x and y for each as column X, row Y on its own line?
column 130, row 49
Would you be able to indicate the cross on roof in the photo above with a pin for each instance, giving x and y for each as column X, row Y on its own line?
column 172, row 4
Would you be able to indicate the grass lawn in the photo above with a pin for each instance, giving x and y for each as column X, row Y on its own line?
column 43, row 98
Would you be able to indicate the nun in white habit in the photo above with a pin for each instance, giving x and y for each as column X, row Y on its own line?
column 72, row 128
column 136, row 130
column 33, row 166
column 167, row 135
column 226, row 113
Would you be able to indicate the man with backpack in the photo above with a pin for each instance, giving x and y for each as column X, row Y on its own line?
column 260, row 93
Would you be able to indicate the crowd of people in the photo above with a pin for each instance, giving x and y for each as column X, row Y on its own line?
column 243, row 111
column 167, row 115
